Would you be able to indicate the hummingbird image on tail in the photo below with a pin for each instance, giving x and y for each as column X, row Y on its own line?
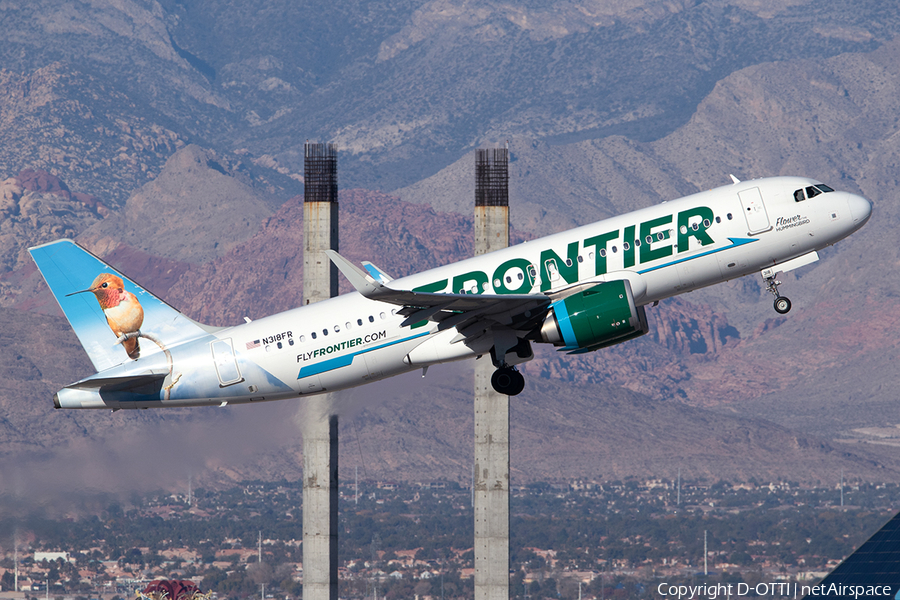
column 122, row 309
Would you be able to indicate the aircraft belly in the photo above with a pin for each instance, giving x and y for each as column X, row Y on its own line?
column 386, row 362
column 661, row 284
column 699, row 273
column 351, row 374
column 311, row 384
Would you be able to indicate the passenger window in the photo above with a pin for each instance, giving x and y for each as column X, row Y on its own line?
column 337, row 328
column 649, row 239
column 313, row 334
column 580, row 258
column 325, row 332
column 359, row 322
column 812, row 192
column 347, row 324
column 798, row 196
column 706, row 223
column 718, row 219
column 637, row 243
column 383, row 316
column 279, row 345
column 303, row 338
column 603, row 252
column 626, row 246
column 371, row 319
column 728, row 216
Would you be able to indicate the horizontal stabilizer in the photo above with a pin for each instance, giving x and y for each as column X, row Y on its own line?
column 116, row 384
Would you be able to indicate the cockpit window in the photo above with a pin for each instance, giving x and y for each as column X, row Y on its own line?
column 811, row 192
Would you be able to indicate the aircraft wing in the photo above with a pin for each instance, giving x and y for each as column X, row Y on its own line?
column 517, row 311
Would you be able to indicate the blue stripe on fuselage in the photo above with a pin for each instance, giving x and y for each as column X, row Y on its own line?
column 735, row 242
column 344, row 361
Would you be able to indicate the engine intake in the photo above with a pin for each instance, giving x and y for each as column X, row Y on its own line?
column 595, row 318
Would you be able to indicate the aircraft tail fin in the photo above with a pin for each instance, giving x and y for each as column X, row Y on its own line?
column 874, row 564
column 115, row 319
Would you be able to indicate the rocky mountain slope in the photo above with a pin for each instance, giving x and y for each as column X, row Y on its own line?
column 405, row 87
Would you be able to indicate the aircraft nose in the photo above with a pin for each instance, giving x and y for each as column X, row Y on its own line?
column 860, row 209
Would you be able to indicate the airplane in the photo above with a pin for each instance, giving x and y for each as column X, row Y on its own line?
column 579, row 290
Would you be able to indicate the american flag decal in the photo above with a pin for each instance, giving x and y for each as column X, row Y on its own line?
column 253, row 344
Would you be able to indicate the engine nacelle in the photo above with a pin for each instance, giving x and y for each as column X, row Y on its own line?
column 594, row 318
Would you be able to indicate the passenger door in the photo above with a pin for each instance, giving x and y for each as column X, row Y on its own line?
column 754, row 210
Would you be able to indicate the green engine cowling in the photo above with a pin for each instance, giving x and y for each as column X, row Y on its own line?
column 595, row 318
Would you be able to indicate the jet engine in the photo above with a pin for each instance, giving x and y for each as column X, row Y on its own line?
column 594, row 318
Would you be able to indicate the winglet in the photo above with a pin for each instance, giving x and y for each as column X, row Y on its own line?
column 359, row 279
column 379, row 275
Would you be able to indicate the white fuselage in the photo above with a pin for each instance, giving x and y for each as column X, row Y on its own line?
column 663, row 250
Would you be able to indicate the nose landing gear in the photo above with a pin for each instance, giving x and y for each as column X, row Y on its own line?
column 782, row 303
column 508, row 381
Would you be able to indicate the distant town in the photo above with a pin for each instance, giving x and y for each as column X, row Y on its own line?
column 577, row 540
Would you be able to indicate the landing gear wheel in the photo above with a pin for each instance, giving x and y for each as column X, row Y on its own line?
column 782, row 305
column 508, row 381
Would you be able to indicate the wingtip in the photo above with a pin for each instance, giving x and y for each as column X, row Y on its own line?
column 359, row 279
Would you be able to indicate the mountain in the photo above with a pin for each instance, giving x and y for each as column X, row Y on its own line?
column 194, row 211
column 404, row 87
